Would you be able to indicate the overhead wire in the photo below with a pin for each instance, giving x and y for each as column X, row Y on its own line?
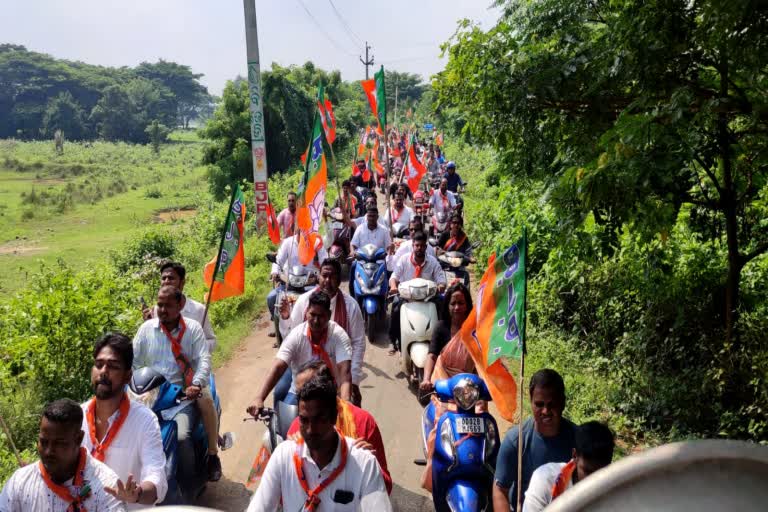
column 349, row 30
column 322, row 30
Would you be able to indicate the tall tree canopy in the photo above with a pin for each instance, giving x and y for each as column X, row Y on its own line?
column 37, row 92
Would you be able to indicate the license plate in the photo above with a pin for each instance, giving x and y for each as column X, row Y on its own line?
column 470, row 426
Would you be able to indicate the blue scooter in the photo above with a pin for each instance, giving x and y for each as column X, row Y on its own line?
column 167, row 400
column 466, row 446
column 370, row 286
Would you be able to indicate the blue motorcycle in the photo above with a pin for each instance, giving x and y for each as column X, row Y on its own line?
column 466, row 446
column 166, row 400
column 370, row 286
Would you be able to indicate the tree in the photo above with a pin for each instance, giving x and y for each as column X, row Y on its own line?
column 632, row 108
column 189, row 95
column 65, row 114
column 157, row 133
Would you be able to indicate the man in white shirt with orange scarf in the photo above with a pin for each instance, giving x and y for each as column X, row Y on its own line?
column 349, row 318
column 123, row 434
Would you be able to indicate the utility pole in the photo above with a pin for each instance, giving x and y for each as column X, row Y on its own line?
column 367, row 62
column 395, row 103
column 258, row 131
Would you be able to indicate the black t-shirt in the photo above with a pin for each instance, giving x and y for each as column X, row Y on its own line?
column 440, row 338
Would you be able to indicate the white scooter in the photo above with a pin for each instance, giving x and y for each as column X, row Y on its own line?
column 418, row 319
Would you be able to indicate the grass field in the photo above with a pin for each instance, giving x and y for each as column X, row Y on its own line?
column 79, row 205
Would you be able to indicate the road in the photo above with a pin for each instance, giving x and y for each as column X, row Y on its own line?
column 385, row 395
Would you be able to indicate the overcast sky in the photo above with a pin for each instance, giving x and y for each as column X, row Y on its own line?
column 209, row 35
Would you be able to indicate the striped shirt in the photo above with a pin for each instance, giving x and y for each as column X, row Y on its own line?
column 152, row 348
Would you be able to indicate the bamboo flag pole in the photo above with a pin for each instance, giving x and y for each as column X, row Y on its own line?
column 218, row 256
column 10, row 441
column 522, row 376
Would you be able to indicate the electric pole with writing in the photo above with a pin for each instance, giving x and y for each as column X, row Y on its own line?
column 367, row 62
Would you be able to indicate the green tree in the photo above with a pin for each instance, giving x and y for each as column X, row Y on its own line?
column 64, row 113
column 190, row 97
column 157, row 133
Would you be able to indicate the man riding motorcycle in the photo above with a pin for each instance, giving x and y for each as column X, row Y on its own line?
column 399, row 211
column 348, row 317
column 176, row 348
column 442, row 200
column 418, row 264
column 369, row 233
column 455, row 183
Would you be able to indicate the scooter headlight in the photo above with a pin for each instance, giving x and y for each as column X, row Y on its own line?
column 490, row 439
column 466, row 393
column 446, row 439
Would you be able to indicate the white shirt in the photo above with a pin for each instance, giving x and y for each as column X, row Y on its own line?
column 404, row 249
column 361, row 476
column 359, row 221
column 296, row 350
column 355, row 328
column 195, row 310
column 405, row 271
column 151, row 347
column 137, row 450
column 26, row 490
column 288, row 254
column 403, row 217
column 379, row 237
column 539, row 493
column 436, row 201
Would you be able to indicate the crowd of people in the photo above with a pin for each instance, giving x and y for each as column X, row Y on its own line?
column 108, row 453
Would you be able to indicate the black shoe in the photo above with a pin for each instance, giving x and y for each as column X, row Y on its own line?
column 271, row 334
column 214, row 468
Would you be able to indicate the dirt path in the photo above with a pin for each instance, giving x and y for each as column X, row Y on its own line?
column 385, row 395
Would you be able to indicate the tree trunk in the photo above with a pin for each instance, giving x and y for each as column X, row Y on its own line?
column 728, row 201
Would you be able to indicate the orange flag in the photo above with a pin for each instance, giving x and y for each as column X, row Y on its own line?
column 272, row 228
column 229, row 279
column 312, row 195
column 476, row 336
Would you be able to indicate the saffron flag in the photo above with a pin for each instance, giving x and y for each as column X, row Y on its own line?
column 229, row 264
column 439, row 139
column 415, row 170
column 377, row 97
column 257, row 468
column 312, row 195
column 272, row 228
column 326, row 115
column 368, row 167
column 495, row 329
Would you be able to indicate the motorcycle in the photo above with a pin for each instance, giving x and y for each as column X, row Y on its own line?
column 418, row 319
column 454, row 264
column 338, row 237
column 439, row 224
column 466, row 446
column 166, row 400
column 296, row 281
column 370, row 286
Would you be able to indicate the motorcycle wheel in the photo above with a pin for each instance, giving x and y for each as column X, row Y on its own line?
column 370, row 328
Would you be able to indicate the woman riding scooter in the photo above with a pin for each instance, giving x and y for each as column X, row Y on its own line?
column 447, row 357
column 455, row 239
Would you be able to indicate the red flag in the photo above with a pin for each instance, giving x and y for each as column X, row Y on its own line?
column 331, row 118
column 272, row 228
column 326, row 116
column 415, row 170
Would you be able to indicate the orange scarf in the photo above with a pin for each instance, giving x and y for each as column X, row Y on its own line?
column 76, row 503
column 418, row 267
column 318, row 349
column 186, row 369
column 454, row 243
column 313, row 495
column 99, row 449
column 345, row 419
column 563, row 479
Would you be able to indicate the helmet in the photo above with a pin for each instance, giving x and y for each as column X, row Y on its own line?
column 450, row 165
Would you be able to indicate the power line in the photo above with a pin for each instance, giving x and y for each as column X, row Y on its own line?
column 322, row 30
column 350, row 32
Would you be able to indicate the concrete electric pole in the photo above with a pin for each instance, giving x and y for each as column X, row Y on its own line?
column 367, row 62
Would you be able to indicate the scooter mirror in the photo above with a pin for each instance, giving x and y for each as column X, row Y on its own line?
column 271, row 257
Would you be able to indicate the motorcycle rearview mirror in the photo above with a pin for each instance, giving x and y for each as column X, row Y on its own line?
column 271, row 257
column 433, row 241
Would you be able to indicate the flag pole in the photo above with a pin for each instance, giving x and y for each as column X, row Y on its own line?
column 218, row 256
column 388, row 191
column 520, row 382
column 10, row 441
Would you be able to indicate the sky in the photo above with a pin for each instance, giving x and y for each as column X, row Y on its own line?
column 209, row 35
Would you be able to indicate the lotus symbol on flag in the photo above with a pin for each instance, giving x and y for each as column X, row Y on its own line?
column 412, row 172
column 316, row 209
